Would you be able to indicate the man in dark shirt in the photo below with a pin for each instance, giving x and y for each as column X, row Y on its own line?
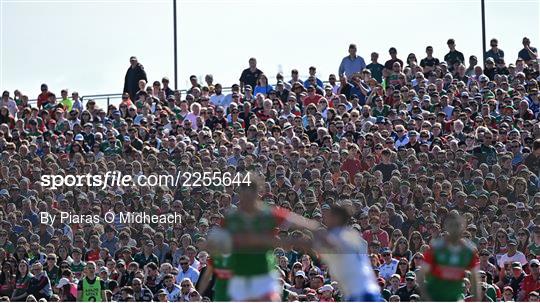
column 146, row 256
column 528, row 52
column 410, row 287
column 375, row 67
column 453, row 55
column 386, row 167
column 134, row 73
column 495, row 52
column 390, row 63
column 486, row 153
column 219, row 118
column 429, row 62
column 250, row 75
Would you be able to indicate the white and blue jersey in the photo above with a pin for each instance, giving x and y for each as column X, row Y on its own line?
column 350, row 266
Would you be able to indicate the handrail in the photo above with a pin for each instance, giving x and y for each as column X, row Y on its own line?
column 108, row 97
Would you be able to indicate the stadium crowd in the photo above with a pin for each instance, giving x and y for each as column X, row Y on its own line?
column 400, row 144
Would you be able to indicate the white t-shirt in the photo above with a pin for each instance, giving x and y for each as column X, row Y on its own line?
column 517, row 257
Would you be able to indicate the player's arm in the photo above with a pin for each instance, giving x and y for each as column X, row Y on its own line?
column 294, row 220
column 204, row 279
column 421, row 278
column 475, row 286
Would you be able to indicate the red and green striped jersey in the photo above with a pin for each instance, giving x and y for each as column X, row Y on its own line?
column 448, row 264
column 223, row 273
column 252, row 261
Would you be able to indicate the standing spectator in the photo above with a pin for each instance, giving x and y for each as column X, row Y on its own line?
column 352, row 63
column 453, row 55
column 8, row 102
column 168, row 91
column 528, row 53
column 77, row 103
column 43, row 97
column 375, row 67
column 250, row 75
column 134, row 73
column 313, row 75
column 495, row 52
column 429, row 62
column 66, row 102
column 473, row 61
column 388, row 65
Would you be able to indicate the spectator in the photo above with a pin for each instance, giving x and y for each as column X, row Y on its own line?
column 528, row 53
column 134, row 74
column 250, row 75
column 453, row 56
column 495, row 52
column 352, row 63
column 389, row 65
column 429, row 62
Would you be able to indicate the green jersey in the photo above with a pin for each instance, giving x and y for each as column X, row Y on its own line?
column 222, row 272
column 253, row 261
column 91, row 292
column 67, row 103
column 444, row 282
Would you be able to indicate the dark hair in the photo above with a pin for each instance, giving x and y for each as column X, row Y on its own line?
column 341, row 213
column 536, row 144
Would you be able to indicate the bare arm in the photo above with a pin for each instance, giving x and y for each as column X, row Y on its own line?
column 204, row 280
column 475, row 286
column 421, row 278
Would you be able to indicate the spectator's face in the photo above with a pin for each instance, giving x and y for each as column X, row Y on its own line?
column 534, row 269
column 184, row 264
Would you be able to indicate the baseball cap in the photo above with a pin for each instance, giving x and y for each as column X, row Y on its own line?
column 300, row 273
column 63, row 282
column 326, row 287
column 410, row 275
column 534, row 262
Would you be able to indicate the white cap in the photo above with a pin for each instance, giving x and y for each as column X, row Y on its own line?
column 63, row 282
column 326, row 288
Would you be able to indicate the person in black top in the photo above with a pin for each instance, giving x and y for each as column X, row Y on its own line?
column 429, row 62
column 250, row 75
column 453, row 55
column 390, row 63
column 134, row 73
column 386, row 166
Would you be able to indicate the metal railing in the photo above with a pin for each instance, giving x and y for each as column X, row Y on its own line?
column 118, row 96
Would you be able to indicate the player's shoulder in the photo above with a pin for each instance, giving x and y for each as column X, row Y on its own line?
column 438, row 243
column 468, row 244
